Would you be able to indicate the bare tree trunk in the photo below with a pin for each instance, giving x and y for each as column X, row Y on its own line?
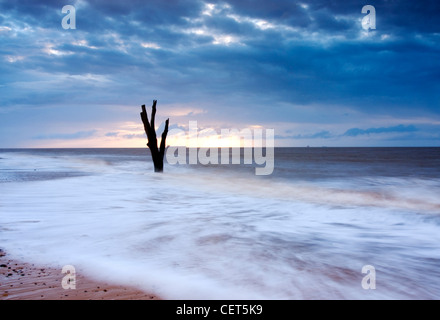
column 156, row 153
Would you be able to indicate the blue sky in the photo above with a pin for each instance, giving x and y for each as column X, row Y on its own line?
column 304, row 68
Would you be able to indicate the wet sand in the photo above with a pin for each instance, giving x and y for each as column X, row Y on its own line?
column 24, row 281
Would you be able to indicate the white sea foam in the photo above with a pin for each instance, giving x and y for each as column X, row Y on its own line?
column 190, row 233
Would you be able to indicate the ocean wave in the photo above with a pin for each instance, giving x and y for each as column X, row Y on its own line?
column 222, row 233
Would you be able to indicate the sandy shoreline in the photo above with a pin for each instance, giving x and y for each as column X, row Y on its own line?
column 24, row 281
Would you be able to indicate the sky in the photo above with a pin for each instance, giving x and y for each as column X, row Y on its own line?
column 307, row 69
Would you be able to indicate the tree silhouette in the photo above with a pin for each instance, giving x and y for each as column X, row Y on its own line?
column 156, row 153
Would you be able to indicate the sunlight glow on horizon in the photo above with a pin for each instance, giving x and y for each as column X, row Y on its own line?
column 132, row 135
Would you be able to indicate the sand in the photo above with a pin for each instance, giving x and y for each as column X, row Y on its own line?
column 24, row 281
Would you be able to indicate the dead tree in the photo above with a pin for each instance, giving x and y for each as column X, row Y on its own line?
column 156, row 153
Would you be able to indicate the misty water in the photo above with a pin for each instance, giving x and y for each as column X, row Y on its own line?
column 221, row 232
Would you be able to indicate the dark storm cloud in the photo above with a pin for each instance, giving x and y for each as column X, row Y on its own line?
column 398, row 16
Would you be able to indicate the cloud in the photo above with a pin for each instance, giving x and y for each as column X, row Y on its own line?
column 66, row 136
column 395, row 129
column 196, row 52
column 319, row 135
column 134, row 136
column 239, row 61
column 354, row 132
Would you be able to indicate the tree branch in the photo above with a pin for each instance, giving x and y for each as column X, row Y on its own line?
column 153, row 115
column 164, row 138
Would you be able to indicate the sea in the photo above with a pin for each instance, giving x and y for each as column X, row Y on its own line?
column 328, row 223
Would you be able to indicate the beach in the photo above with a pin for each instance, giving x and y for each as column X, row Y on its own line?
column 25, row 281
